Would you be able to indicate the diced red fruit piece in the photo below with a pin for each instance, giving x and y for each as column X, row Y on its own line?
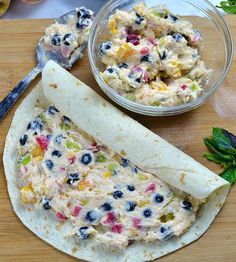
column 110, row 218
column 76, row 211
column 117, row 228
column 61, row 217
column 136, row 222
column 144, row 51
column 71, row 160
column 133, row 39
column 137, row 69
column 94, row 147
column 184, row 87
column 151, row 188
column 42, row 142
column 129, row 31
column 25, row 169
column 153, row 41
column 194, row 39
column 145, row 76
column 94, row 144
column 62, row 169
column 66, row 51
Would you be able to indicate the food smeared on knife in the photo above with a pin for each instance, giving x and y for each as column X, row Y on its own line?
column 152, row 57
column 69, row 38
column 102, row 195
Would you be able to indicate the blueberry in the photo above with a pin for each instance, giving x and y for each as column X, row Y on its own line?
column 72, row 178
column 130, row 187
column 146, row 58
column 66, row 119
column 49, row 137
column 84, row 13
column 52, row 110
column 130, row 206
column 106, row 207
column 139, row 19
column 46, row 203
column 23, row 140
column 83, row 23
column 166, row 233
column 159, row 198
column 66, row 36
column 110, row 70
column 174, row 18
column 163, row 55
column 82, row 234
column 187, row 205
column 117, row 194
column 86, row 159
column 197, row 32
column 125, row 162
column 135, row 170
column 58, row 139
column 56, row 40
column 177, row 37
column 36, row 124
column 56, row 153
column 123, row 65
column 92, row 216
column 115, row 173
column 105, row 46
column 147, row 212
column 49, row 164
column 138, row 80
column 168, row 236
column 163, row 230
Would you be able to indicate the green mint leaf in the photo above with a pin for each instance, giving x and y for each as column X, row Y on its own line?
column 229, row 174
column 222, row 147
column 231, row 137
column 228, row 6
column 215, row 158
column 213, row 147
column 223, row 141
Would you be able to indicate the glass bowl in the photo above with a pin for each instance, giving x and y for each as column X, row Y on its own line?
column 216, row 51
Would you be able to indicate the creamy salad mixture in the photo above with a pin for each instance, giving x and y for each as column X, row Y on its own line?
column 152, row 57
column 83, row 182
column 69, row 38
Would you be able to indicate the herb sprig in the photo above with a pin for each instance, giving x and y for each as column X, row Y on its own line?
column 222, row 147
column 228, row 6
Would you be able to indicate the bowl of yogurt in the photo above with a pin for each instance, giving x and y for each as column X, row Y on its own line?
column 159, row 57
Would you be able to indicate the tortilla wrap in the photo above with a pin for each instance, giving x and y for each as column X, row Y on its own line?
column 129, row 138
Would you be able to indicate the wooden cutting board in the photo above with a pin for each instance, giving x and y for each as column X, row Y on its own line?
column 18, row 39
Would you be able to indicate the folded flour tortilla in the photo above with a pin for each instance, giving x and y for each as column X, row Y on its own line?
column 129, row 138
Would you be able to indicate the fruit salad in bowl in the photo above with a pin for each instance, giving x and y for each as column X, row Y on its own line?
column 152, row 57
column 154, row 61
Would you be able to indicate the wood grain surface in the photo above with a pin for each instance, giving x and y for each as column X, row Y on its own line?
column 17, row 57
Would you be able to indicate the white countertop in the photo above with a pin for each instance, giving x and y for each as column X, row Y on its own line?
column 53, row 8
